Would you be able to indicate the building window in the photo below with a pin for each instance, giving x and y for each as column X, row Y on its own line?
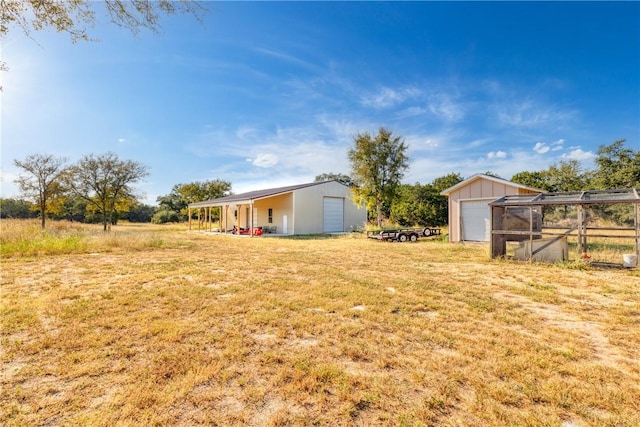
column 270, row 220
column 235, row 214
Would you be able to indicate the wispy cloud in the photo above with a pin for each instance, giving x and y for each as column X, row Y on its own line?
column 497, row 155
column 444, row 107
column 264, row 160
column 285, row 57
column 388, row 97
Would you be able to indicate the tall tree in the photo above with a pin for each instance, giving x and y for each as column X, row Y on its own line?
column 618, row 167
column 173, row 206
column 378, row 165
column 419, row 205
column 41, row 182
column 12, row 208
column 104, row 182
column 340, row 177
column 535, row 179
column 566, row 175
column 446, row 181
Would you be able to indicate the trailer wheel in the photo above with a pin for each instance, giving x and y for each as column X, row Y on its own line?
column 426, row 232
column 402, row 237
column 413, row 237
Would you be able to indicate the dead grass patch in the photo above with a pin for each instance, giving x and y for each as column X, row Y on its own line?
column 343, row 331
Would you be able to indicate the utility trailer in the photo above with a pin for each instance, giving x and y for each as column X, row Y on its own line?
column 404, row 235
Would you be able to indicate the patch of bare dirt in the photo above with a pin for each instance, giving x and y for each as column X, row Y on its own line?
column 603, row 351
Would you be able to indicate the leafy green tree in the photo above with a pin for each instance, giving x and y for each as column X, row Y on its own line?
column 173, row 207
column 74, row 209
column 536, row 179
column 566, row 176
column 378, row 165
column 418, row 205
column 562, row 176
column 442, row 183
column 617, row 167
column 17, row 209
column 105, row 182
column 139, row 212
column 163, row 216
column 340, row 177
column 41, row 182
column 74, row 17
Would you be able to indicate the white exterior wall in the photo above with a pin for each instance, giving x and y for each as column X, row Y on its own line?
column 303, row 209
column 308, row 208
column 281, row 205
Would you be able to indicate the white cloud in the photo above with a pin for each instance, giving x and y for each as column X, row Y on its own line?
column 557, row 145
column 264, row 160
column 541, row 148
column 524, row 114
column 478, row 142
column 413, row 111
column 388, row 97
column 578, row 154
column 445, row 108
column 121, row 140
column 244, row 132
column 285, row 57
column 497, row 155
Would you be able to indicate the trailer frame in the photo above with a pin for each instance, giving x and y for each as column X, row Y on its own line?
column 404, row 234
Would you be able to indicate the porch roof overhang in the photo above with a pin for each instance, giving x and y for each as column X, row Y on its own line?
column 250, row 197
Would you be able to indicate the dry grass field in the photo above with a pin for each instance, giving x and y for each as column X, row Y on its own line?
column 152, row 325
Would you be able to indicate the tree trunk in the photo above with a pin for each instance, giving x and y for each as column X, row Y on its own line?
column 379, row 212
column 42, row 208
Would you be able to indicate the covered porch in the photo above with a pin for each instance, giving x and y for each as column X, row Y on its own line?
column 268, row 215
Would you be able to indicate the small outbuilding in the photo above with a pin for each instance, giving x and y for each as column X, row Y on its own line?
column 469, row 212
column 523, row 218
column 317, row 207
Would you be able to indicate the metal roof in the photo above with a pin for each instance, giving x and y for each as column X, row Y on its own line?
column 245, row 198
column 589, row 197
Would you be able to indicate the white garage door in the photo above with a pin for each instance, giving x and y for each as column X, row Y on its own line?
column 475, row 221
column 332, row 215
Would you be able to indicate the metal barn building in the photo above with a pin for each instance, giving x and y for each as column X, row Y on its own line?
column 469, row 212
column 317, row 207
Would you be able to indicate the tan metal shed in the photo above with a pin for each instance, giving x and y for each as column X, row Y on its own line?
column 469, row 212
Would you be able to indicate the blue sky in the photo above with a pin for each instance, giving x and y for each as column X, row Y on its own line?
column 269, row 94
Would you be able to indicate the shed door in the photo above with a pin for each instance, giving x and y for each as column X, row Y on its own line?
column 475, row 221
column 332, row 215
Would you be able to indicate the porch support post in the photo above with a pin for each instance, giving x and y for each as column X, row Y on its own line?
column 251, row 224
column 636, row 221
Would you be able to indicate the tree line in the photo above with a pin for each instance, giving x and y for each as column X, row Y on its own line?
column 99, row 188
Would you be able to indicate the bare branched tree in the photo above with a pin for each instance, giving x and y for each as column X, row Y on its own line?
column 42, row 179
